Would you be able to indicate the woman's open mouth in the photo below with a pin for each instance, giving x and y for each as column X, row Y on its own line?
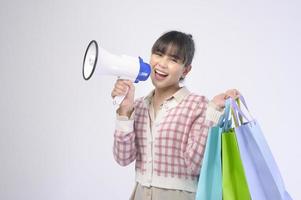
column 159, row 75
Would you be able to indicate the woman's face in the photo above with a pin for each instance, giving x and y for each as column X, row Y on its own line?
column 167, row 70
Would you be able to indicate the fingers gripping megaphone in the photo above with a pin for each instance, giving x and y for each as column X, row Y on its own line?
column 98, row 60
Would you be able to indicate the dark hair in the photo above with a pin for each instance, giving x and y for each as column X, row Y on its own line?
column 176, row 44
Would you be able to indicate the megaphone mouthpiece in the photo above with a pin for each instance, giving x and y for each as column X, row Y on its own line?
column 144, row 71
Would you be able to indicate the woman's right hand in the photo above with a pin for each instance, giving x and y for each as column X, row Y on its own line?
column 127, row 88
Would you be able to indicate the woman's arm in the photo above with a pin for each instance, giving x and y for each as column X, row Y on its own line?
column 124, row 148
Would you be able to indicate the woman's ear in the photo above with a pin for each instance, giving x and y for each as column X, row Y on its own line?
column 186, row 70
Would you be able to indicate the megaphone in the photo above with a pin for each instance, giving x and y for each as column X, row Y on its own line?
column 98, row 60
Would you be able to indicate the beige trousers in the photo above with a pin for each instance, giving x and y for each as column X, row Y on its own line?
column 153, row 193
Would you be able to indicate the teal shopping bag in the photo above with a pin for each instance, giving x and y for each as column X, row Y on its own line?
column 210, row 181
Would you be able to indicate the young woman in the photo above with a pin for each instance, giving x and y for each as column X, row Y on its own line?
column 166, row 131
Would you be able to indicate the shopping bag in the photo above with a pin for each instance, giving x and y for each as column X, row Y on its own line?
column 235, row 185
column 262, row 173
column 210, row 181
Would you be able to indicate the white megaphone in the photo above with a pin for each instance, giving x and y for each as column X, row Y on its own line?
column 104, row 63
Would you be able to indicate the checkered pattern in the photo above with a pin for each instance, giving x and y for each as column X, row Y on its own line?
column 179, row 144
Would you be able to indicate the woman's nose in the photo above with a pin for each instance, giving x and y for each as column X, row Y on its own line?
column 163, row 61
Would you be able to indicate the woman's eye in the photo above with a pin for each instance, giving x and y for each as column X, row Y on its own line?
column 158, row 54
column 174, row 60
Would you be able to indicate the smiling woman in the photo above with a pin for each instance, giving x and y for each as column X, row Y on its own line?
column 165, row 132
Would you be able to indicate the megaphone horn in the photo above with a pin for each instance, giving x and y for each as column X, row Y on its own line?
column 90, row 60
column 99, row 60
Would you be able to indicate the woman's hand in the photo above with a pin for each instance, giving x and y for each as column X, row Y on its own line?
column 127, row 88
column 219, row 100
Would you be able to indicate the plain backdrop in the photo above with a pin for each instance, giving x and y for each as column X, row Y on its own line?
column 56, row 130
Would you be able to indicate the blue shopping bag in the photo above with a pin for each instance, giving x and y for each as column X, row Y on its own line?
column 210, row 181
column 262, row 173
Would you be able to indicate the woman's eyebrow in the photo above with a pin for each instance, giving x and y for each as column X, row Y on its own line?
column 159, row 51
column 174, row 56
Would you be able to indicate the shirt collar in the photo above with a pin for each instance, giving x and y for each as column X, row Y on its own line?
column 181, row 94
column 178, row 95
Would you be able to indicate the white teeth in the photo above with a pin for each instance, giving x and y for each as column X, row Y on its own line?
column 161, row 73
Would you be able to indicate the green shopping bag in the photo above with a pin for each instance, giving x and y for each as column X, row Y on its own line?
column 235, row 186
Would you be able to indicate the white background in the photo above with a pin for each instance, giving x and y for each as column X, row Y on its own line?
column 56, row 130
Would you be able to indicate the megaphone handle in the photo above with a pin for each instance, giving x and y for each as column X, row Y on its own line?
column 117, row 100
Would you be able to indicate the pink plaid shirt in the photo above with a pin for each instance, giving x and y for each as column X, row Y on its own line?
column 172, row 157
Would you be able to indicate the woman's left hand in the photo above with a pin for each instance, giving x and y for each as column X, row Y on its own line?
column 219, row 100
